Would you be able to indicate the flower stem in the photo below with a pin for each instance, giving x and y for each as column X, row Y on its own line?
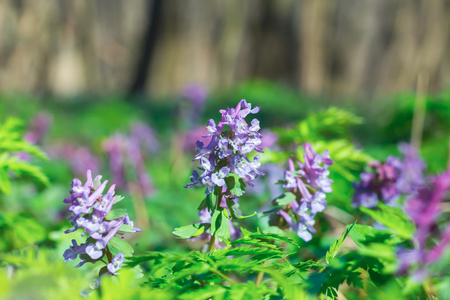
column 213, row 237
column 211, row 243
column 419, row 110
column 260, row 275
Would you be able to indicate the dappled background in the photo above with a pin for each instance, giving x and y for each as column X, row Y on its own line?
column 333, row 48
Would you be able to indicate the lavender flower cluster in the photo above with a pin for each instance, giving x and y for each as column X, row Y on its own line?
column 124, row 149
column 387, row 181
column 425, row 209
column 309, row 184
column 228, row 148
column 90, row 210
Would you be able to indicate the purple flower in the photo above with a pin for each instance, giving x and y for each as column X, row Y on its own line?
column 270, row 139
column 223, row 147
column 38, row 129
column 95, row 251
column 195, row 93
column 146, row 137
column 303, row 228
column 115, row 147
column 425, row 209
column 289, row 176
column 195, row 180
column 90, row 208
column 309, row 184
column 116, row 263
column 227, row 150
column 385, row 182
column 219, row 178
column 126, row 150
column 73, row 251
column 315, row 169
column 411, row 175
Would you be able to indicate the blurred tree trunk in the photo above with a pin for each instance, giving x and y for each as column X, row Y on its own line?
column 344, row 48
column 141, row 73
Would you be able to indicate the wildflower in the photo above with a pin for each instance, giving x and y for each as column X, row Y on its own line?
column 196, row 96
column 309, row 185
column 425, row 209
column 123, row 149
column 38, row 129
column 73, row 251
column 411, row 176
column 117, row 261
column 224, row 163
column 90, row 210
column 387, row 181
column 195, row 93
column 227, row 150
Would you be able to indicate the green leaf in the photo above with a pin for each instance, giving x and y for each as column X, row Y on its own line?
column 190, row 231
column 234, row 209
column 207, row 292
column 286, row 198
column 202, row 205
column 220, row 226
column 138, row 273
column 117, row 245
column 331, row 253
column 235, row 184
column 23, row 168
column 22, row 146
column 139, row 259
column 248, row 216
column 5, row 184
column 126, row 228
column 211, row 200
column 274, row 230
column 118, row 199
column 274, row 237
column 393, row 218
column 116, row 213
column 364, row 235
column 248, row 250
column 379, row 250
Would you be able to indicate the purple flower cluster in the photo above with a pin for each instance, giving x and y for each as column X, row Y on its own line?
column 386, row 182
column 309, row 184
column 228, row 148
column 90, row 210
column 196, row 96
column 124, row 149
column 411, row 174
column 38, row 129
column 425, row 209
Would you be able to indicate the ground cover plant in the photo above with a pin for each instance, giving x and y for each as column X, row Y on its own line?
column 228, row 202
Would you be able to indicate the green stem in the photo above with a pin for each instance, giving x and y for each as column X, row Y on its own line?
column 223, row 276
column 211, row 243
column 260, row 275
column 419, row 110
column 213, row 237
